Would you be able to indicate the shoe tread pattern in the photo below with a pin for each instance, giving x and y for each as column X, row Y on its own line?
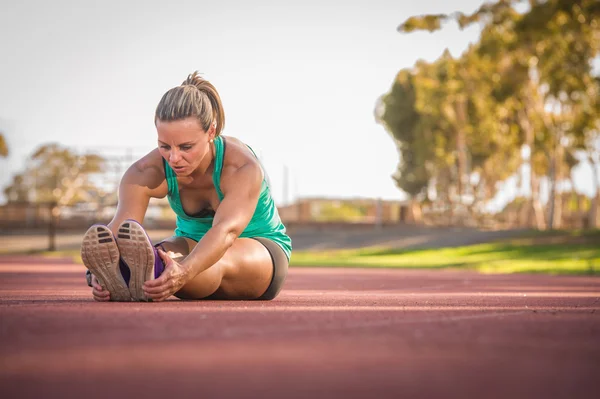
column 137, row 251
column 100, row 255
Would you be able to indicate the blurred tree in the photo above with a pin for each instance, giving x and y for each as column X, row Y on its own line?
column 592, row 150
column 397, row 111
column 450, row 133
column 589, row 144
column 542, row 87
column 58, row 177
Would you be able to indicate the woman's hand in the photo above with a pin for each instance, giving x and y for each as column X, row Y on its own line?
column 169, row 282
column 100, row 294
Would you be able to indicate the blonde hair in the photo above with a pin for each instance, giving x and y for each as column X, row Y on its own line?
column 195, row 97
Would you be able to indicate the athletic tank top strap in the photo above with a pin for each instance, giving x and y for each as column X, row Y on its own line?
column 219, row 143
column 171, row 179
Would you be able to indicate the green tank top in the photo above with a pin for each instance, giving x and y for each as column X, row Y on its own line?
column 264, row 223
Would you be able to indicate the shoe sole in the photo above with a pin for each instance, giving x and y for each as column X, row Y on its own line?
column 100, row 255
column 137, row 251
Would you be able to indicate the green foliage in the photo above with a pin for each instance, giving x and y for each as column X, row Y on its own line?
column 528, row 80
column 427, row 22
column 340, row 212
column 577, row 202
column 402, row 120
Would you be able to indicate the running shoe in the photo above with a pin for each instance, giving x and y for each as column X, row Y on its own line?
column 138, row 253
column 100, row 255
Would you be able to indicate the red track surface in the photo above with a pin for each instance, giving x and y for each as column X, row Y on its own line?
column 331, row 333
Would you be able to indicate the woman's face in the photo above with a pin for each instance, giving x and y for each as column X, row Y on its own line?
column 184, row 144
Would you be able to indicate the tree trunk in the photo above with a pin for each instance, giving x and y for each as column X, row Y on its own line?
column 53, row 221
column 461, row 147
column 450, row 214
column 555, row 206
column 551, row 202
column 576, row 216
column 553, row 157
column 558, row 197
column 472, row 207
column 538, row 209
column 593, row 222
column 378, row 214
column 593, row 212
column 415, row 212
column 534, row 185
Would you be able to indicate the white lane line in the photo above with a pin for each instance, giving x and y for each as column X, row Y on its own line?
column 414, row 292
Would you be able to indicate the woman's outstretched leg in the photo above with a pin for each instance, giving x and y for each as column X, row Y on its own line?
column 244, row 272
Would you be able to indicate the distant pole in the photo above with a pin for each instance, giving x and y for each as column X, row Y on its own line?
column 52, row 222
column 285, row 185
column 378, row 213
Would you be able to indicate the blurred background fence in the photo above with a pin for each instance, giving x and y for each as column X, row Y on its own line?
column 306, row 212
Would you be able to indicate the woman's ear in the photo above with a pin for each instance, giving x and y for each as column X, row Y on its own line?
column 212, row 131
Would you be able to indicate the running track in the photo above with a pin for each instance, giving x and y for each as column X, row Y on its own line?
column 332, row 333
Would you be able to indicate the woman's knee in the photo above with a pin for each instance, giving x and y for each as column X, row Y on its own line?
column 203, row 285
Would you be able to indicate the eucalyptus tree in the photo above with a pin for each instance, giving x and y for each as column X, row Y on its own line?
column 397, row 112
column 545, row 79
column 590, row 146
column 447, row 131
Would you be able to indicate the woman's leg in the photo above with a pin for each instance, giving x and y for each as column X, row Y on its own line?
column 244, row 272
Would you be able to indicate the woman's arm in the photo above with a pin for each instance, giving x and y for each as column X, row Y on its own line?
column 143, row 180
column 240, row 195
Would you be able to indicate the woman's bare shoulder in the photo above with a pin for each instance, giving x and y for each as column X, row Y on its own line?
column 149, row 172
column 151, row 163
column 238, row 155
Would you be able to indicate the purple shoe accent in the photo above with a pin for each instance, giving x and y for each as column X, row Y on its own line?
column 125, row 271
column 159, row 266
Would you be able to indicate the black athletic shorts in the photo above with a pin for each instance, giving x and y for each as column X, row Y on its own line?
column 280, row 268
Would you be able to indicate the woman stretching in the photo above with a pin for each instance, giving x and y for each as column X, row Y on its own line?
column 229, row 242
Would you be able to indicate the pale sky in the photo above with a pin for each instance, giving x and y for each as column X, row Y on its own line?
column 298, row 79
